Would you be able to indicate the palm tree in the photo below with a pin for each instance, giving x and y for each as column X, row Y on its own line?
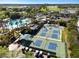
column 20, row 22
column 43, row 9
column 11, row 23
column 16, row 24
column 3, row 52
column 2, row 25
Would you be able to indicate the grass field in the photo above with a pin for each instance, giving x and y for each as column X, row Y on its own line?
column 55, row 9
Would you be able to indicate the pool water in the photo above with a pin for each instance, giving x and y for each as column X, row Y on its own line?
column 12, row 24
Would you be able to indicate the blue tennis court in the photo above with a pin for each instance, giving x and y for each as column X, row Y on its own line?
column 38, row 42
column 55, row 35
column 43, row 32
column 52, row 46
column 55, row 31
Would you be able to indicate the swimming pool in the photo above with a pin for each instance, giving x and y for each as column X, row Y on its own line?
column 12, row 24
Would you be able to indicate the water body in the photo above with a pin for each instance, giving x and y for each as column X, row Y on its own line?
column 17, row 23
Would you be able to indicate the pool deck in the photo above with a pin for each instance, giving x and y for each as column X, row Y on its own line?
column 12, row 24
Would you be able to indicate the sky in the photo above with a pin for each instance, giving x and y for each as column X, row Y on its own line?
column 39, row 1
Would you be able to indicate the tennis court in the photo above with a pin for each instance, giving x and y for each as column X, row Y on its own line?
column 50, row 31
column 55, row 36
column 49, row 39
column 52, row 46
column 43, row 32
column 38, row 42
column 56, row 31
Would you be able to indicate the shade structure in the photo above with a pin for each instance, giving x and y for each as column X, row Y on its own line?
column 36, row 51
column 26, row 48
column 40, row 52
column 30, row 49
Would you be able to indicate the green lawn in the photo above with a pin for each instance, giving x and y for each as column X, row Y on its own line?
column 75, row 51
column 55, row 9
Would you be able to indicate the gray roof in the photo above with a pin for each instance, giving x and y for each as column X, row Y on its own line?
column 26, row 37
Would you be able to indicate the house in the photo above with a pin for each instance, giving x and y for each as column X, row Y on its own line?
column 72, row 11
column 64, row 12
column 39, row 15
column 52, row 6
column 78, row 23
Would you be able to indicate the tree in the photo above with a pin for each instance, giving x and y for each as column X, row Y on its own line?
column 16, row 9
column 34, row 21
column 28, row 10
column 72, row 23
column 20, row 21
column 24, row 14
column 75, row 51
column 2, row 16
column 11, row 23
column 29, row 55
column 72, row 36
column 16, row 24
column 15, row 15
column 3, row 51
column 62, row 23
column 7, row 13
column 43, row 9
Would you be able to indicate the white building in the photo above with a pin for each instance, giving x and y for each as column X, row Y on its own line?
column 72, row 11
column 78, row 25
column 52, row 6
